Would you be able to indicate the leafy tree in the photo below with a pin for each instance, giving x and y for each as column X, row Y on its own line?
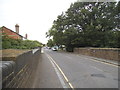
column 87, row 24
column 50, row 43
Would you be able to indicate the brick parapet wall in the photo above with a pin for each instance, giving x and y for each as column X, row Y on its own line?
column 104, row 53
column 22, row 75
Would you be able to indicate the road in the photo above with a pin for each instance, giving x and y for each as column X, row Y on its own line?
column 68, row 70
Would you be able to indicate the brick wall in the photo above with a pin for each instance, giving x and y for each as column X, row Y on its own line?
column 105, row 53
column 23, row 69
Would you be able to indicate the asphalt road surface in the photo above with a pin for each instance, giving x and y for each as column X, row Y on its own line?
column 68, row 70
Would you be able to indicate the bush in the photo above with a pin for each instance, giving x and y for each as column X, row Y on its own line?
column 8, row 43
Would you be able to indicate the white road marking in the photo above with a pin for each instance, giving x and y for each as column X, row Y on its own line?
column 99, row 61
column 96, row 68
column 105, row 63
column 58, row 74
column 71, row 86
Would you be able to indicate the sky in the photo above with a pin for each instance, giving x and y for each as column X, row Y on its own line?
column 34, row 17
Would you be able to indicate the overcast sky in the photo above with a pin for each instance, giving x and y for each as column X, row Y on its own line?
column 35, row 17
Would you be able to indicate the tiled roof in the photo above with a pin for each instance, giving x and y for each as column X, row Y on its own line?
column 11, row 31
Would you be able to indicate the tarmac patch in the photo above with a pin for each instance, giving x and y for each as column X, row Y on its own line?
column 98, row 75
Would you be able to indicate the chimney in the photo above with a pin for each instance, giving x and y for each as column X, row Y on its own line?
column 26, row 36
column 17, row 28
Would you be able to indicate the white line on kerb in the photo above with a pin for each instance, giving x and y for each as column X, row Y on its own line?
column 60, row 78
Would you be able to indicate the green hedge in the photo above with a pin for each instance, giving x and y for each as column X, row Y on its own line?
column 8, row 43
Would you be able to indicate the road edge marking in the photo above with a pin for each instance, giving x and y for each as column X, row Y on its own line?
column 105, row 63
column 96, row 60
column 71, row 86
column 59, row 76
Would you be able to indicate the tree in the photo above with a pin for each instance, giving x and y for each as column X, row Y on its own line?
column 50, row 43
column 87, row 24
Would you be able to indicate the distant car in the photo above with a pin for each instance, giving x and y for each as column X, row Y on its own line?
column 54, row 49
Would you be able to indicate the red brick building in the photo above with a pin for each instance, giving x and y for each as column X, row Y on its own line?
column 11, row 34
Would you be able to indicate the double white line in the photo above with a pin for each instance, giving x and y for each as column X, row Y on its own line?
column 58, row 69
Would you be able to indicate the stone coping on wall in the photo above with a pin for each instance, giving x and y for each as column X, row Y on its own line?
column 101, row 48
column 11, row 54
